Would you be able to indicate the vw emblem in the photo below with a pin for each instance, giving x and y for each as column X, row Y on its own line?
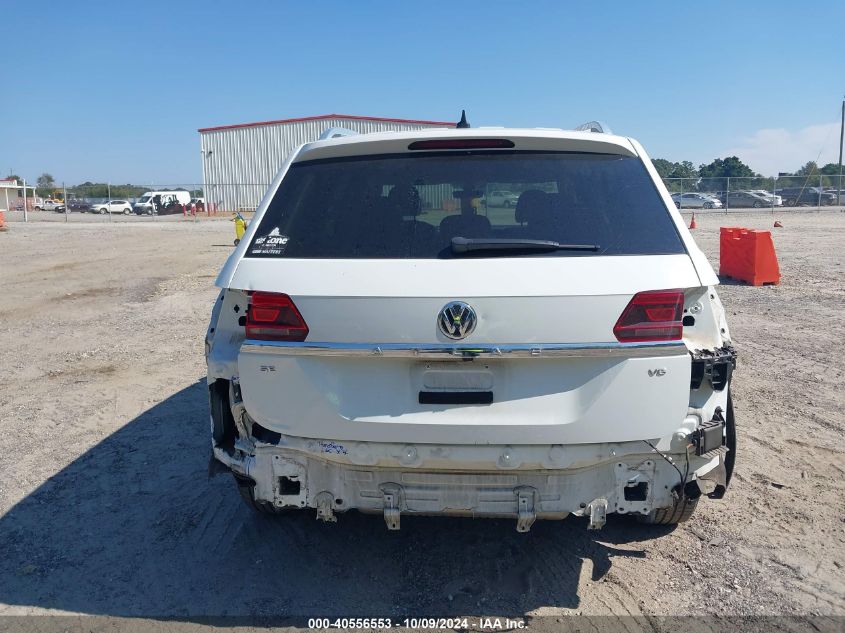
column 457, row 320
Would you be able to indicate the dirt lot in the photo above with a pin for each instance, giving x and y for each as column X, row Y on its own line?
column 106, row 507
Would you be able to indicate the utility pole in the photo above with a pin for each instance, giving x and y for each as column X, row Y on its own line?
column 841, row 137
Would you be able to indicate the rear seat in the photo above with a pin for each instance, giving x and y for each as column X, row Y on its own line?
column 554, row 216
column 464, row 225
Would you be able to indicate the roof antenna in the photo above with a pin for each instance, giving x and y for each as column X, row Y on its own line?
column 463, row 122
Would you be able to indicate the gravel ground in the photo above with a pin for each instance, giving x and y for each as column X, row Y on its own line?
column 106, row 508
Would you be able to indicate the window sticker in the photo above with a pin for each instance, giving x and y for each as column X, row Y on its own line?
column 274, row 243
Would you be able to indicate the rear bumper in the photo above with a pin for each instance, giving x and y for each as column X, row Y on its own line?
column 547, row 482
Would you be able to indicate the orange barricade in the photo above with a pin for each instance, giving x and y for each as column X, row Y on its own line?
column 748, row 255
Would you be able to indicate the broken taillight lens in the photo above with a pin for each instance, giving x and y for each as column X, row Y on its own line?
column 651, row 316
column 274, row 317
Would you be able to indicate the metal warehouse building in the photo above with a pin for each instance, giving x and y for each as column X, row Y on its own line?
column 240, row 161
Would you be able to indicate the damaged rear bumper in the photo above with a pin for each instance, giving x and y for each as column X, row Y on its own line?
column 525, row 483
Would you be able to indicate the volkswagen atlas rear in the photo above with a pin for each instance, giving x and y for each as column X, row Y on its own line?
column 382, row 342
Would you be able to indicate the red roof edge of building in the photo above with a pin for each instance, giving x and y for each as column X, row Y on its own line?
column 326, row 116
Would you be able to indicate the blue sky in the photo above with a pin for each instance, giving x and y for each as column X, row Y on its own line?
column 116, row 91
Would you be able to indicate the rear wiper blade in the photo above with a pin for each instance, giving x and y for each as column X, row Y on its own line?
column 468, row 245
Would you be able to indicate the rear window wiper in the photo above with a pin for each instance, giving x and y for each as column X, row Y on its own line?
column 469, row 245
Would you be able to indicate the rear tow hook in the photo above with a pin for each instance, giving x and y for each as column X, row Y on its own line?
column 525, row 496
column 392, row 498
column 598, row 514
column 325, row 511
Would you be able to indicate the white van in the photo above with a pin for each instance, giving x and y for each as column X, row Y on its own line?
column 160, row 202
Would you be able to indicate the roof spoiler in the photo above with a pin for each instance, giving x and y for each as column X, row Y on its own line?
column 336, row 132
column 594, row 126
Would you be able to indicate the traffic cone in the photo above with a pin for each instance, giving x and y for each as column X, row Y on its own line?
column 693, row 224
column 778, row 225
column 3, row 226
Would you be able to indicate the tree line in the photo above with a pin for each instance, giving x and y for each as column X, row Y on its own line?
column 712, row 176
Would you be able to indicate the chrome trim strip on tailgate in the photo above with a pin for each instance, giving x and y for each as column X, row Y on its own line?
column 447, row 351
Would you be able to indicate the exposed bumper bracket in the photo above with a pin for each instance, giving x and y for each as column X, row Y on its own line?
column 598, row 514
column 714, row 365
column 709, row 436
column 325, row 511
column 525, row 496
column 392, row 496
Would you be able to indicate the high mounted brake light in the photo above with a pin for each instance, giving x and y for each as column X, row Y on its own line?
column 651, row 316
column 464, row 143
column 274, row 317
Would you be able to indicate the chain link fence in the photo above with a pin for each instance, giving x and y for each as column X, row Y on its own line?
column 109, row 203
column 194, row 201
column 742, row 194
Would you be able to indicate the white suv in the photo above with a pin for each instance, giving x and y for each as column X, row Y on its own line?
column 113, row 206
column 566, row 356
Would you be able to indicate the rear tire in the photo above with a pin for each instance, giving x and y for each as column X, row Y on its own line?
column 246, row 488
column 730, row 440
column 682, row 509
column 758, row 205
column 679, row 512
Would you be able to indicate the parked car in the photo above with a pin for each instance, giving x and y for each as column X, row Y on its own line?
column 113, row 206
column 773, row 199
column 501, row 199
column 50, row 205
column 800, row 196
column 740, row 199
column 836, row 193
column 78, row 205
column 571, row 358
column 695, row 201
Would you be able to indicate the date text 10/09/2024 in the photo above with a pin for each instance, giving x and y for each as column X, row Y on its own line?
column 479, row 624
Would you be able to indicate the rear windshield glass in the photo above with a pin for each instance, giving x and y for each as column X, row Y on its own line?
column 412, row 205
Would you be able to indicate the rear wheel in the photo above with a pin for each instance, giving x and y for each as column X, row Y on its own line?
column 678, row 512
column 730, row 440
column 758, row 205
column 246, row 488
column 683, row 508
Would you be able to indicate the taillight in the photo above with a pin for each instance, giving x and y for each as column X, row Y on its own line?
column 651, row 316
column 274, row 317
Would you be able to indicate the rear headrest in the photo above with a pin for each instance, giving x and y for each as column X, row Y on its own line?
column 530, row 203
column 404, row 200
